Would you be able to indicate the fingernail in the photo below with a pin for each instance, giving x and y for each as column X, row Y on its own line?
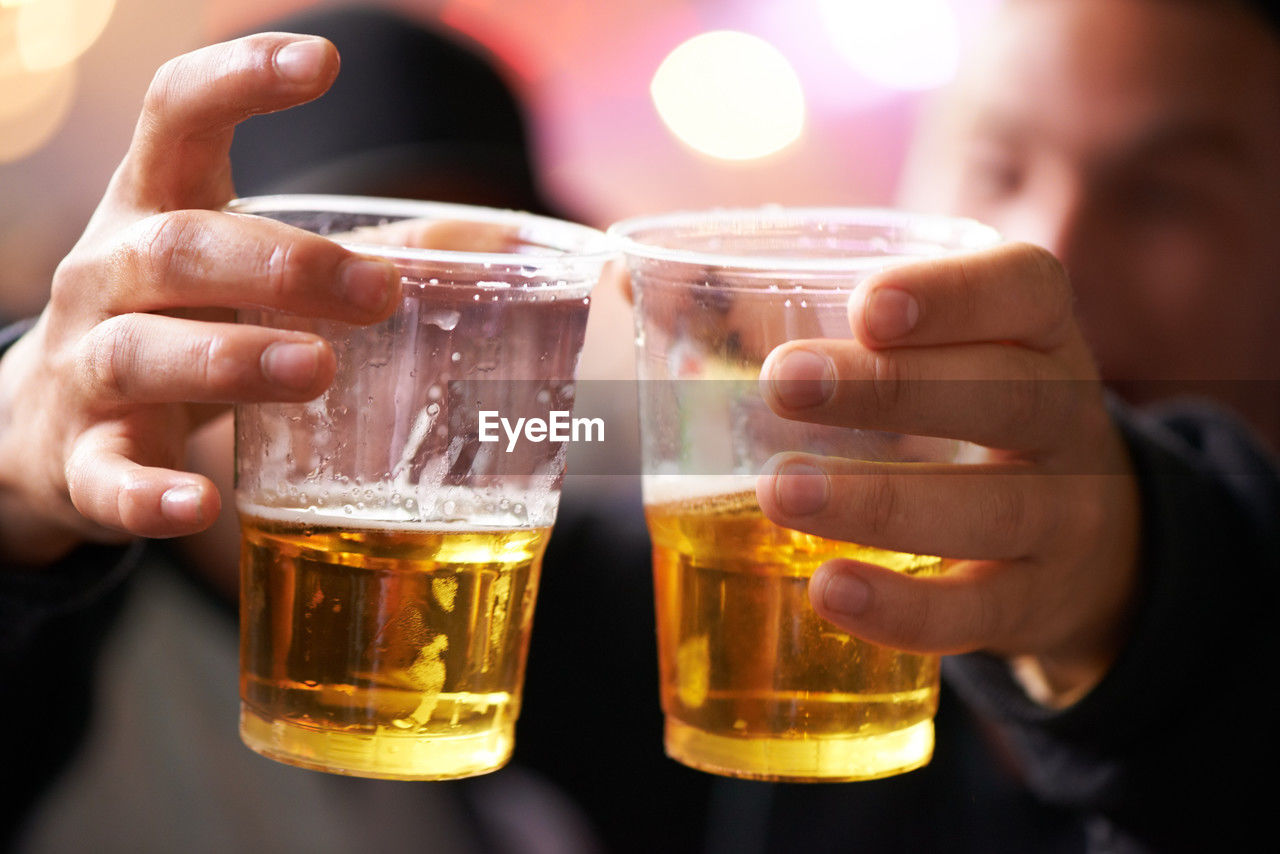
column 182, row 504
column 291, row 364
column 301, row 61
column 801, row 489
column 803, row 378
column 891, row 313
column 846, row 594
column 367, row 283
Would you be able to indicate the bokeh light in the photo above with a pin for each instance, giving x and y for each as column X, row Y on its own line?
column 51, row 33
column 729, row 95
column 40, row 41
column 900, row 44
column 32, row 107
column 23, row 92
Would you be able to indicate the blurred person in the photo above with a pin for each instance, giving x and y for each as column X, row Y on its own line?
column 1088, row 530
column 1136, row 142
column 1127, row 556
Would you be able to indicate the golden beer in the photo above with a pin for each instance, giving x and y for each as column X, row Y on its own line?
column 384, row 651
column 754, row 683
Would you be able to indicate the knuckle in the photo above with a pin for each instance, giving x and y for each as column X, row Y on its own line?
column 219, row 367
column 163, row 247
column 74, row 471
column 888, row 381
column 132, row 500
column 162, row 90
column 1043, row 265
column 1034, row 401
column 69, row 277
column 285, row 266
column 78, row 471
column 880, row 505
column 203, row 360
column 1006, row 513
column 913, row 623
column 106, row 353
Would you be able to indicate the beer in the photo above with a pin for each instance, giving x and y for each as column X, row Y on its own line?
column 383, row 650
column 754, row 683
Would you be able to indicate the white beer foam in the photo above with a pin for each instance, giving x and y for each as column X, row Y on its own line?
column 382, row 506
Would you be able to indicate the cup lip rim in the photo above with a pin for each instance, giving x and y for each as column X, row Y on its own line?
column 977, row 236
column 596, row 246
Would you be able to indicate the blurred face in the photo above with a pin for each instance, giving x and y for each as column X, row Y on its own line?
column 1139, row 140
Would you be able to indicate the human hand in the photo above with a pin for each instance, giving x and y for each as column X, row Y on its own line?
column 137, row 347
column 1044, row 526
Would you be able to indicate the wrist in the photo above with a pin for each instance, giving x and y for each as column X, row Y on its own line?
column 1051, row 684
column 34, row 531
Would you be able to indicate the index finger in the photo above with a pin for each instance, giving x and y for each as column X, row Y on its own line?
column 179, row 154
column 1013, row 293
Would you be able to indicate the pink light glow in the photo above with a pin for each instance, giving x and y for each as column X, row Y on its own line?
column 904, row 45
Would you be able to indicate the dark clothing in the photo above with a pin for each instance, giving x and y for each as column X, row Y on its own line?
column 1161, row 754
column 51, row 626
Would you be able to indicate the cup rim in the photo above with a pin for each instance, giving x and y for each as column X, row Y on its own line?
column 968, row 235
column 592, row 244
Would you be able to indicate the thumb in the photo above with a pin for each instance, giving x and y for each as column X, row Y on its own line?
column 110, row 488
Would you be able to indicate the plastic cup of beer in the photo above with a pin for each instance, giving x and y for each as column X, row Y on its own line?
column 753, row 683
column 391, row 548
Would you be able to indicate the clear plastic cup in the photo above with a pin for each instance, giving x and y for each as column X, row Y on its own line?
column 754, row 684
column 390, row 547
